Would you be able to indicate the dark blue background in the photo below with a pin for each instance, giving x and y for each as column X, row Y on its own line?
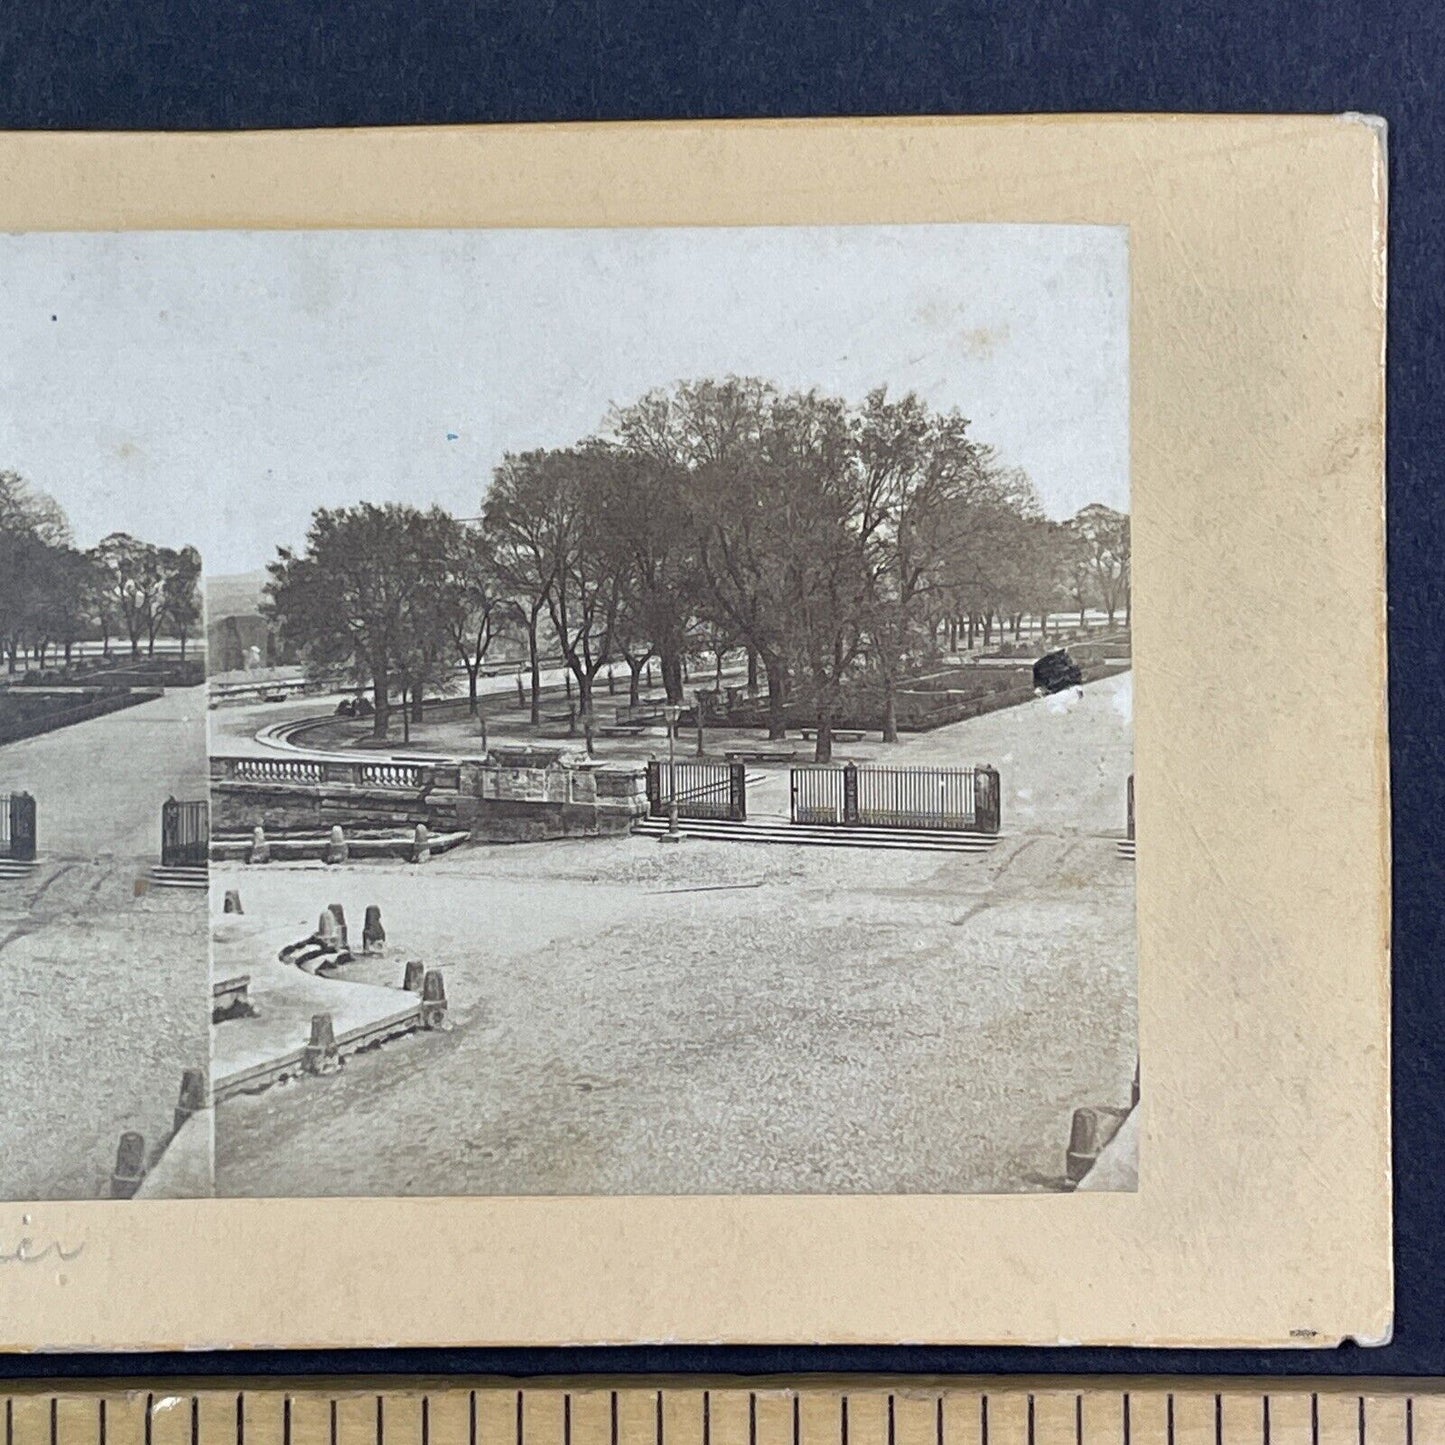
column 225, row 64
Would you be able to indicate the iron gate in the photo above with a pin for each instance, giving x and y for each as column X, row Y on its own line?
column 17, row 827
column 185, row 834
column 702, row 790
column 958, row 799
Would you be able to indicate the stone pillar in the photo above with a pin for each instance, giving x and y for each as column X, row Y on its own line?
column 326, row 933
column 343, row 934
column 336, row 849
column 414, row 976
column 233, row 901
column 433, row 999
column 320, row 1055
column 194, row 1095
column 130, row 1166
column 260, row 848
column 373, row 935
column 421, row 844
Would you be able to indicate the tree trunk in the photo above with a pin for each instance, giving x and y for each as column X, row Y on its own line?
column 777, row 716
column 472, row 688
column 381, row 703
column 752, row 672
column 890, row 711
column 583, row 711
column 406, row 714
column 634, row 686
column 417, row 703
column 584, row 704
column 671, row 669
column 823, row 753
column 536, row 713
column 183, row 647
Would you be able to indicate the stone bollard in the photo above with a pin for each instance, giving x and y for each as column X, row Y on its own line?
column 130, row 1166
column 233, row 901
column 193, row 1095
column 320, row 1055
column 1091, row 1130
column 420, row 844
column 326, row 933
column 414, row 976
column 336, row 849
column 433, row 999
column 260, row 848
column 339, row 914
column 373, row 935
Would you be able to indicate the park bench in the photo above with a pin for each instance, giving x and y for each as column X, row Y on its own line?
column 761, row 755
column 622, row 730
column 809, row 734
column 231, row 999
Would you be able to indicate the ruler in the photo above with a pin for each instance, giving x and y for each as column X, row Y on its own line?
column 856, row 1411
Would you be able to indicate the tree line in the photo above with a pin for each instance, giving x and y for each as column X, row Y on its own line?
column 831, row 543
column 54, row 595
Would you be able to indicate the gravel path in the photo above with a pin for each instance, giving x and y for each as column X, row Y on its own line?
column 105, row 995
column 724, row 1017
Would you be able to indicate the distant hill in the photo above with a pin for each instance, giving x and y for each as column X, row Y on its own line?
column 236, row 596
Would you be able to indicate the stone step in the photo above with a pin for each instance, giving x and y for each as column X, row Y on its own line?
column 162, row 876
column 926, row 840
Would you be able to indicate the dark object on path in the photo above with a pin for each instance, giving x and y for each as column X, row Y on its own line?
column 1055, row 671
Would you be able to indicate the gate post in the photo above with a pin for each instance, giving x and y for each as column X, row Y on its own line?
column 737, row 792
column 170, row 821
column 1131, row 805
column 22, row 827
column 654, row 788
column 850, row 792
column 986, row 799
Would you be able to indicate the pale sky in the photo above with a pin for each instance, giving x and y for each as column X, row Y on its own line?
column 215, row 387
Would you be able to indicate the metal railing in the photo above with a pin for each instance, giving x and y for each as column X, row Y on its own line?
column 17, row 827
column 702, row 790
column 959, row 799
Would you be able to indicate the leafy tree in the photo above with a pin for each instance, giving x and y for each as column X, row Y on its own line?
column 468, row 595
column 1104, row 534
column 182, row 607
column 136, row 578
column 347, row 599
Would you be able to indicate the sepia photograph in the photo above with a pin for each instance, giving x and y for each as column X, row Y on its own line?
column 667, row 699
column 670, row 712
column 103, row 923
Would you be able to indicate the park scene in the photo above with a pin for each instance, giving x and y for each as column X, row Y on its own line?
column 589, row 712
column 738, row 802
column 102, row 725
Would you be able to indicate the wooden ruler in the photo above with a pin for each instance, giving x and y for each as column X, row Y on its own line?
column 815, row 1411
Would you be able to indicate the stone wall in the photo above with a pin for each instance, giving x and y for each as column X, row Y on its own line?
column 500, row 799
